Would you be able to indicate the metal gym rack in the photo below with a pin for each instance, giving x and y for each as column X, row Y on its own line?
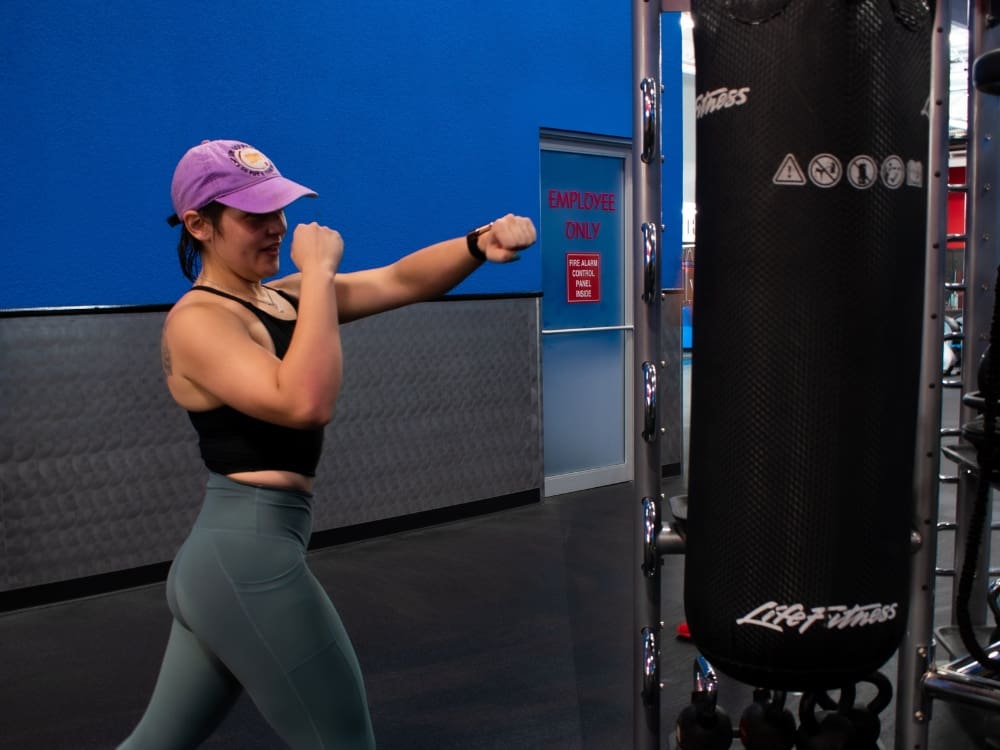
column 922, row 678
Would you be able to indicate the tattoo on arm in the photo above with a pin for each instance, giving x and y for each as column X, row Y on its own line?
column 165, row 355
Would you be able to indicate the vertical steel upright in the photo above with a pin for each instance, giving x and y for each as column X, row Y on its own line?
column 647, row 215
column 981, row 257
column 952, row 682
column 917, row 649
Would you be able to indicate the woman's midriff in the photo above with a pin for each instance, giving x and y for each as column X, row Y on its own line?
column 285, row 480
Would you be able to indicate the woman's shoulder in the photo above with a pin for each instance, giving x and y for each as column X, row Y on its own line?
column 198, row 307
column 290, row 285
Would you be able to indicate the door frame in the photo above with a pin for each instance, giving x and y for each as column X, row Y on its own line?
column 617, row 148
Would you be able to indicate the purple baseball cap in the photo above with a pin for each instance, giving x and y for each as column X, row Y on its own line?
column 234, row 174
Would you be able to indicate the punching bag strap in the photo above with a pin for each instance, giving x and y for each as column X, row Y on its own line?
column 977, row 520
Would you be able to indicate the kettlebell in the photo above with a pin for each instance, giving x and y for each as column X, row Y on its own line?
column 704, row 725
column 865, row 717
column 766, row 724
column 829, row 730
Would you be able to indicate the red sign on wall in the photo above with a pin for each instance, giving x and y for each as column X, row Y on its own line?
column 583, row 277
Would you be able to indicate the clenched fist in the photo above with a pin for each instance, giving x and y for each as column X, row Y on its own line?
column 509, row 235
column 316, row 245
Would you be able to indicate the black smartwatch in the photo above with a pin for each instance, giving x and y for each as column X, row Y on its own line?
column 472, row 241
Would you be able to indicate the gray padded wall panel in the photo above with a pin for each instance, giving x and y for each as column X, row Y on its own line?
column 440, row 406
column 99, row 470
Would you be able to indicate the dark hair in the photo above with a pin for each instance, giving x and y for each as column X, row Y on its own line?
column 189, row 249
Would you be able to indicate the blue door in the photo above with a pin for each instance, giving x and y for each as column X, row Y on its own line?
column 586, row 321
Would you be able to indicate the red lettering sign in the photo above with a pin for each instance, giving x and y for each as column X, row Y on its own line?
column 582, row 200
column 583, row 277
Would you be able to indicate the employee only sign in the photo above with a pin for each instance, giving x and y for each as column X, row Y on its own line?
column 583, row 277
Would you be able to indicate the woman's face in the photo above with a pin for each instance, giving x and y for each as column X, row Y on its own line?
column 249, row 244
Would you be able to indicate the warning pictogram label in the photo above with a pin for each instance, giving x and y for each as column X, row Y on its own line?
column 862, row 172
column 789, row 173
column 825, row 170
column 893, row 172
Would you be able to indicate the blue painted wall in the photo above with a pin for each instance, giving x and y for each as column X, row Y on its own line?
column 414, row 122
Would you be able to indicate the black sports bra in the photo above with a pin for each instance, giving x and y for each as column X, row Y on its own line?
column 231, row 441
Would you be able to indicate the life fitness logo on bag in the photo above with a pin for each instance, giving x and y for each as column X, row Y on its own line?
column 795, row 617
column 724, row 98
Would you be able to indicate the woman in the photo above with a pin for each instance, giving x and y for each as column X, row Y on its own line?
column 258, row 368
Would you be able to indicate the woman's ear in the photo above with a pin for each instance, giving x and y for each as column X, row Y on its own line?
column 197, row 225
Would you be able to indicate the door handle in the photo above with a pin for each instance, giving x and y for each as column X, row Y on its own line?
column 649, row 402
column 649, row 120
column 650, row 241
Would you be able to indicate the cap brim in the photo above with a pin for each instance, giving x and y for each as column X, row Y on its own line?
column 266, row 196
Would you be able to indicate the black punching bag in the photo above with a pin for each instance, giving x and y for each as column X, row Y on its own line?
column 812, row 149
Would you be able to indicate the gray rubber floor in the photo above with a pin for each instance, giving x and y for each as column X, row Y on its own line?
column 509, row 630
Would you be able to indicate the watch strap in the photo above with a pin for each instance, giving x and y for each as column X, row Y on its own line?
column 472, row 241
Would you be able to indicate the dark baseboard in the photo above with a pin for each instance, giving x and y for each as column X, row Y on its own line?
column 77, row 588
column 434, row 517
column 105, row 583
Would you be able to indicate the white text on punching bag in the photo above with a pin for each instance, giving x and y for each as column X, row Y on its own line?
column 724, row 98
column 778, row 617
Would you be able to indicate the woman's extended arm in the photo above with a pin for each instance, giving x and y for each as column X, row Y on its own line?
column 424, row 274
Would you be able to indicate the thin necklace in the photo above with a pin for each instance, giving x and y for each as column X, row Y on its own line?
column 268, row 299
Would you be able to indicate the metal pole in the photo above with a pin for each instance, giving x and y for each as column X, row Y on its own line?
column 917, row 652
column 981, row 256
column 647, row 216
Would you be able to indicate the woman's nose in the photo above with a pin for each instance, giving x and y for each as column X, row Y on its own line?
column 276, row 223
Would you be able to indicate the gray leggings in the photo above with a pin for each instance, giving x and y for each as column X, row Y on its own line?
column 248, row 614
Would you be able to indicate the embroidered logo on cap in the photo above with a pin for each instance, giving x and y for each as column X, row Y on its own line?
column 250, row 160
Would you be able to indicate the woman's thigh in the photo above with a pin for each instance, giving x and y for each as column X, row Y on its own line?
column 256, row 604
column 193, row 693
